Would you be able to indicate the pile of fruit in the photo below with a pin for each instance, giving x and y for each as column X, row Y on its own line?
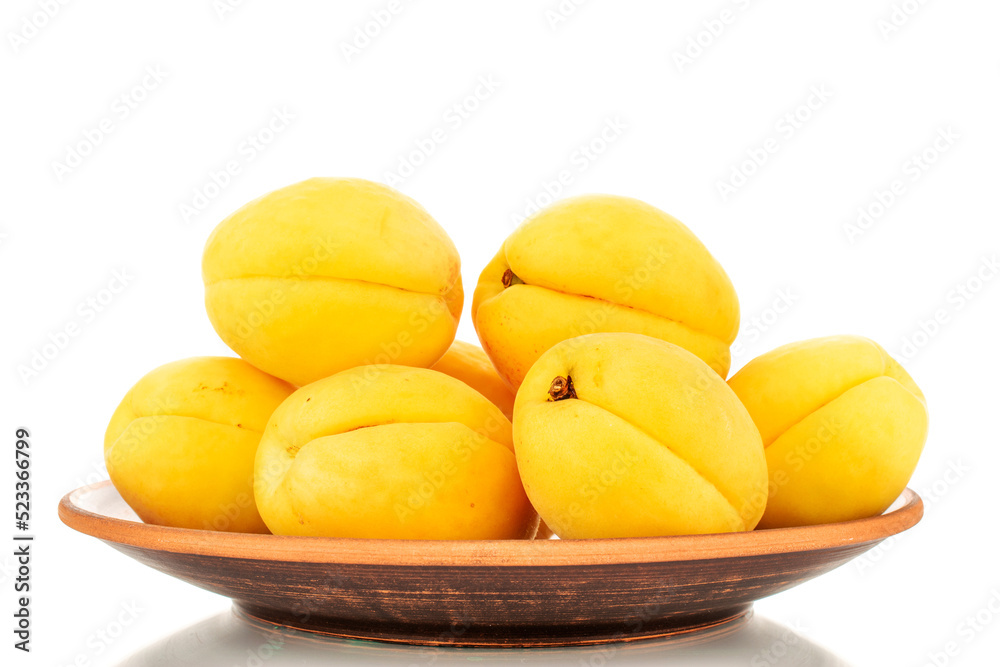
column 597, row 407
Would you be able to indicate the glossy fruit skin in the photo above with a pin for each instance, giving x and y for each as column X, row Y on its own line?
column 468, row 363
column 843, row 426
column 650, row 442
column 391, row 452
column 332, row 273
column 180, row 446
column 602, row 263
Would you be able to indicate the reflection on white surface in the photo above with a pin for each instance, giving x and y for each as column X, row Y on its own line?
column 224, row 640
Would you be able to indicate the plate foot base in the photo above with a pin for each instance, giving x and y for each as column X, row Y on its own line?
column 687, row 628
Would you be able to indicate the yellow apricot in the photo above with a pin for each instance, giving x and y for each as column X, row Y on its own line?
column 842, row 425
column 601, row 263
column 468, row 363
column 391, row 452
column 180, row 447
column 332, row 273
column 624, row 435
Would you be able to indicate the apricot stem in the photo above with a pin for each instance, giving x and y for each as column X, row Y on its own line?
column 510, row 278
column 561, row 389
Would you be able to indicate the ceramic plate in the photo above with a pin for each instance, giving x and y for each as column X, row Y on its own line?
column 489, row 593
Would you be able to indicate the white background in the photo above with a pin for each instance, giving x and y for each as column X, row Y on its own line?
column 686, row 126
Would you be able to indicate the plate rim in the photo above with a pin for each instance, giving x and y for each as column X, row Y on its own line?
column 507, row 553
